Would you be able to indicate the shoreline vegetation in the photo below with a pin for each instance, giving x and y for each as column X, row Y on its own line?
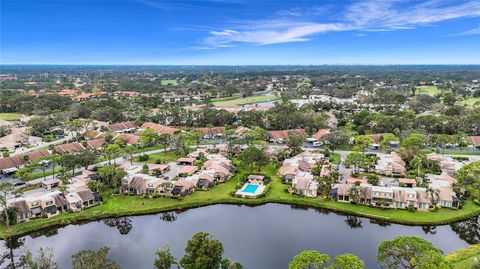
column 464, row 258
column 121, row 206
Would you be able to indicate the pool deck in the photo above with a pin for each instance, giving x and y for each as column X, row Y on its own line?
column 241, row 192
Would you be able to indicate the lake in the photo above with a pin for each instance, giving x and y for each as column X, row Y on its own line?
column 266, row 236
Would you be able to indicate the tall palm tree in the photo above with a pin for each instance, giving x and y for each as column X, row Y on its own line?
column 417, row 163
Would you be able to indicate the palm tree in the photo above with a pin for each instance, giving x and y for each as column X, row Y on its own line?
column 417, row 163
column 433, row 195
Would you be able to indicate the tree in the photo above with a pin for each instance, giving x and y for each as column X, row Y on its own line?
column 93, row 259
column 164, row 259
column 363, row 142
column 410, row 252
column 44, row 260
column 309, row 259
column 164, row 140
column 110, row 176
column 130, row 151
column 373, row 179
column 295, row 141
column 387, row 140
column 69, row 161
column 7, row 190
column 86, row 158
column 335, row 138
column 347, row 261
column 148, row 137
column 355, row 192
column 413, row 142
column 253, row 156
column 24, row 173
column 112, row 151
column 358, row 160
column 229, row 264
column 468, row 177
column 197, row 137
column 202, row 251
column 417, row 163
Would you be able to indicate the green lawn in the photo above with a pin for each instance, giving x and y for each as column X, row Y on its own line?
column 10, row 116
column 464, row 258
column 165, row 157
column 469, row 101
column 430, row 90
column 243, row 100
column 334, row 158
column 449, row 152
column 220, row 194
column 172, row 82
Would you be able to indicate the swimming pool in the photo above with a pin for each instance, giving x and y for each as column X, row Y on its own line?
column 250, row 188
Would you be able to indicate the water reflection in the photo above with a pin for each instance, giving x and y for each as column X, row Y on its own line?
column 123, row 225
column 237, row 227
column 468, row 230
column 9, row 259
column 380, row 223
column 168, row 216
column 429, row 229
column 353, row 222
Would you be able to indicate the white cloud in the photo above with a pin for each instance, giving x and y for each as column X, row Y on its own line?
column 368, row 16
column 389, row 15
column 474, row 31
column 270, row 33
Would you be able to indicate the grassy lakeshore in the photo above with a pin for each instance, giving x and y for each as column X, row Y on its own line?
column 464, row 258
column 220, row 194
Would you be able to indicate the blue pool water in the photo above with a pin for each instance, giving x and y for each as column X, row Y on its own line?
column 250, row 188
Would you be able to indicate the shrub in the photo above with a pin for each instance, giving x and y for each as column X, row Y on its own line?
column 460, row 158
column 410, row 208
column 143, row 158
column 158, row 161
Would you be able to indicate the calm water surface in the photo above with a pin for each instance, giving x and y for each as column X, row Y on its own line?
column 265, row 236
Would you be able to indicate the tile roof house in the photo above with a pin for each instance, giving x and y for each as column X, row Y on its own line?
column 12, row 163
column 122, row 127
column 305, row 185
column 474, row 140
column 159, row 128
column 187, row 170
column 183, row 187
column 281, row 135
column 69, row 148
column 321, row 133
column 211, row 132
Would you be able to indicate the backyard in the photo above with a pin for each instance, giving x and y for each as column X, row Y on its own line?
column 465, row 258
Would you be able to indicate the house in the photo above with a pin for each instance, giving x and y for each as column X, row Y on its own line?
column 187, row 170
column 159, row 169
column 23, row 211
column 128, row 139
column 183, row 187
column 159, row 128
column 211, row 132
column 95, row 144
column 13, row 163
column 389, row 164
column 281, row 135
column 408, row 182
column 122, row 127
column 474, row 140
column 205, row 181
column 18, row 138
column 321, row 133
column 176, row 98
column 305, row 185
column 186, row 161
column 230, row 108
column 241, row 130
column 51, row 183
column 140, row 184
column 69, row 148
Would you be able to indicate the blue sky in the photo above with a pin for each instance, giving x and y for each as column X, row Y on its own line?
column 239, row 32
